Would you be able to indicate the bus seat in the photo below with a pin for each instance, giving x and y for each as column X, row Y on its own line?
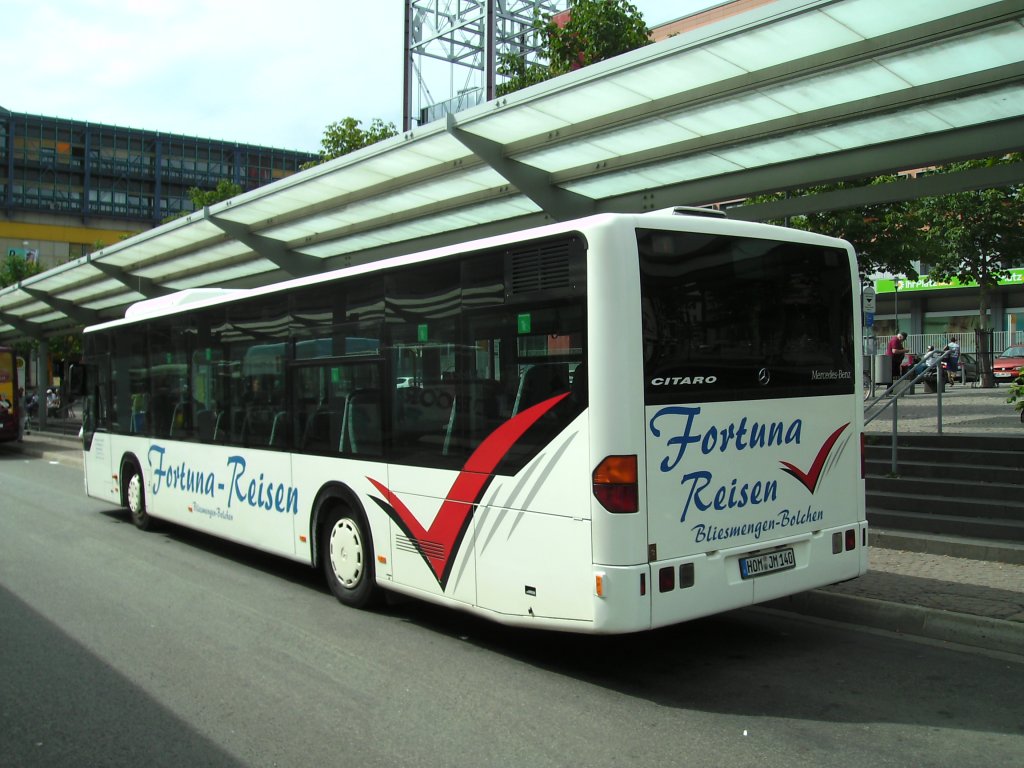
column 206, row 424
column 361, row 428
column 319, row 430
column 279, row 430
column 540, row 382
column 257, row 426
column 177, row 414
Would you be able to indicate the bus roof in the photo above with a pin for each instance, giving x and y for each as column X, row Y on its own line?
column 696, row 219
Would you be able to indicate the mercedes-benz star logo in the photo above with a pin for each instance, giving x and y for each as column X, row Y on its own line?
column 763, row 377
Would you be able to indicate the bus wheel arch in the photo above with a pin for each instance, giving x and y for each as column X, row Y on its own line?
column 133, row 491
column 343, row 547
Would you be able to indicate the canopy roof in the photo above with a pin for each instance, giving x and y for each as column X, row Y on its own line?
column 794, row 93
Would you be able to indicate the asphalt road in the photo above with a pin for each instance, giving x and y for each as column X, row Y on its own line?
column 122, row 648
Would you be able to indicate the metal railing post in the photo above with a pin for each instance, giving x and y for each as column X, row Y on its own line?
column 895, row 405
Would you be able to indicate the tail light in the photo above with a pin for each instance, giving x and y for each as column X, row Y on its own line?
column 615, row 484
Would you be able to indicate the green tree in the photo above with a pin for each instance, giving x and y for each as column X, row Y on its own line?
column 976, row 235
column 888, row 237
column 347, row 135
column 596, row 30
column 226, row 189
column 15, row 268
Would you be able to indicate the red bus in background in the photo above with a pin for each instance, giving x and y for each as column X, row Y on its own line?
column 9, row 406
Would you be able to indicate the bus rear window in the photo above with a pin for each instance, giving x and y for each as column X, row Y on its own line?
column 729, row 318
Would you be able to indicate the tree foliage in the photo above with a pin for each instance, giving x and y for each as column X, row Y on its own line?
column 596, row 30
column 226, row 189
column 15, row 268
column 888, row 237
column 347, row 135
column 976, row 235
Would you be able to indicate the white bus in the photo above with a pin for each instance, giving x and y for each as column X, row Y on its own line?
column 605, row 425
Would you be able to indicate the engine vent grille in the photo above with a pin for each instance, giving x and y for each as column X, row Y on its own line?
column 429, row 548
column 540, row 267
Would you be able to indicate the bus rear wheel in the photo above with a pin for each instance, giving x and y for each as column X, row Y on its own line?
column 347, row 556
column 135, row 495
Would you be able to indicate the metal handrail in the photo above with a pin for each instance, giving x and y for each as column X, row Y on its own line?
column 903, row 386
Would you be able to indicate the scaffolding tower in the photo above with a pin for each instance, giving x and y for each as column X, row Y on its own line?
column 452, row 48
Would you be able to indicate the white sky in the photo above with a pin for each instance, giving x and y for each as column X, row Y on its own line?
column 251, row 71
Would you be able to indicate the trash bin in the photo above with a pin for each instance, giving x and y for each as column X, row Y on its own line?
column 883, row 369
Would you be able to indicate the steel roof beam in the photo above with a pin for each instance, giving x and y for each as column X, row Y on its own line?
column 294, row 263
column 560, row 204
column 79, row 314
column 144, row 285
column 894, row 191
column 26, row 327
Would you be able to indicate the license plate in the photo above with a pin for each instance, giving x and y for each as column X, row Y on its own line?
column 769, row 562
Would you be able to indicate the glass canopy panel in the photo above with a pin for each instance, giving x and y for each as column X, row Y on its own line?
column 53, row 280
column 642, row 136
column 566, row 155
column 777, row 150
column 50, row 316
column 486, row 213
column 973, row 53
column 652, row 176
column 12, row 298
column 222, row 275
column 513, row 124
column 398, row 162
column 782, row 41
column 82, row 291
column 872, row 18
column 597, row 98
column 439, row 149
column 677, row 74
column 167, row 270
column 861, row 81
column 114, row 300
column 155, row 243
column 882, row 128
column 349, row 178
column 998, row 104
column 744, row 112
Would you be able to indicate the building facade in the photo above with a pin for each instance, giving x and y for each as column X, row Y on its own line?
column 69, row 187
column 932, row 310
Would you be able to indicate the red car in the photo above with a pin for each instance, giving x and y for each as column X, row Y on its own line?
column 1008, row 363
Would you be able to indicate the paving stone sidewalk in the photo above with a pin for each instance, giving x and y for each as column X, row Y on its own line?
column 958, row 585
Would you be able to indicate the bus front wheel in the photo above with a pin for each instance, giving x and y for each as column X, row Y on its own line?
column 347, row 557
column 135, row 495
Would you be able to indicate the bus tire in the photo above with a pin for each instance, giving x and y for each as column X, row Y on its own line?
column 135, row 498
column 347, row 557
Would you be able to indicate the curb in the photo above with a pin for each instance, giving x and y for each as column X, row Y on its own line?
column 51, row 447
column 937, row 544
column 946, row 626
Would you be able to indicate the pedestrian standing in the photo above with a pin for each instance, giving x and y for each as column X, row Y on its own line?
column 22, row 413
column 953, row 359
column 896, row 351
